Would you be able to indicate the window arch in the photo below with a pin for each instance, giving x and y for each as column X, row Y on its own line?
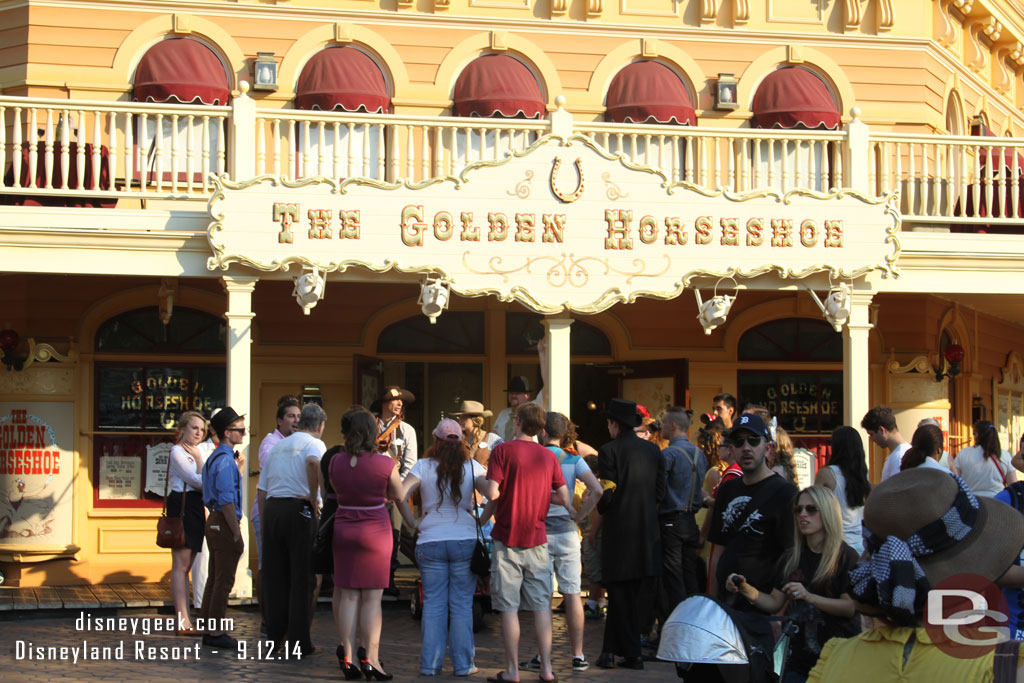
column 794, row 340
column 954, row 114
column 498, row 85
column 794, row 96
column 141, row 331
column 454, row 333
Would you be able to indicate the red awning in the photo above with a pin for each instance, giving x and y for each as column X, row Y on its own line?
column 498, row 85
column 792, row 97
column 183, row 70
column 342, row 78
column 649, row 90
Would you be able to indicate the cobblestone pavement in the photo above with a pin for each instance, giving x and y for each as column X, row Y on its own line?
column 21, row 634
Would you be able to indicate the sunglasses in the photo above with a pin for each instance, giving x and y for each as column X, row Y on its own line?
column 810, row 509
column 738, row 441
column 241, row 430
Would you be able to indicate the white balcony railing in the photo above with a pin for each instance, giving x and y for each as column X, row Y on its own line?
column 951, row 179
column 59, row 148
column 94, row 154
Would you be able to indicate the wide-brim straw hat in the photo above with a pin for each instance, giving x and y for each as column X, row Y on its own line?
column 903, row 504
column 471, row 409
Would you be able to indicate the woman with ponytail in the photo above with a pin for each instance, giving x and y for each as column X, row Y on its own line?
column 925, row 449
column 985, row 466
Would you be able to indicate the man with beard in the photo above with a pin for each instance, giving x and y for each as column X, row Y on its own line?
column 752, row 524
column 518, row 394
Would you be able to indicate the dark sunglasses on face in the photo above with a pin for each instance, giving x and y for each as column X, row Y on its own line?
column 810, row 509
column 738, row 441
column 240, row 430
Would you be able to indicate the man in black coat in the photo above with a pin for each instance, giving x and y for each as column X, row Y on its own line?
column 631, row 543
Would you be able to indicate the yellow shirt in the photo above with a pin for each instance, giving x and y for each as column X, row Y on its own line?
column 877, row 655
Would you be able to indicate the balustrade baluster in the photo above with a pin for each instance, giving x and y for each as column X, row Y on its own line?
column 112, row 149
column 48, row 150
column 97, row 140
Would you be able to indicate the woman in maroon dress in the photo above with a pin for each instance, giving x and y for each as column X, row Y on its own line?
column 363, row 481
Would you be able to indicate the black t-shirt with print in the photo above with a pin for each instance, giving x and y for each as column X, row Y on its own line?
column 753, row 539
column 823, row 626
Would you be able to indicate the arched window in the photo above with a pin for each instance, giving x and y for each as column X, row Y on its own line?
column 146, row 374
column 454, row 333
column 524, row 330
column 496, row 86
column 180, row 71
column 794, row 97
column 342, row 78
column 805, row 401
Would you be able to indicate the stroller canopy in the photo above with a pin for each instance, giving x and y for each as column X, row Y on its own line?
column 701, row 631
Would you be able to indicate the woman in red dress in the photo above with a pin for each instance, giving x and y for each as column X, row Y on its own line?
column 363, row 481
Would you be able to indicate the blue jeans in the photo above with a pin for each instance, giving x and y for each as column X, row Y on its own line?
column 448, row 588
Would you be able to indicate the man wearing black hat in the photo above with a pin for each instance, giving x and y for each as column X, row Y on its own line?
column 752, row 522
column 518, row 394
column 222, row 495
column 631, row 542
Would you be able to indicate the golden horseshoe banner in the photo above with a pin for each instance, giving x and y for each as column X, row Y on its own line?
column 499, row 229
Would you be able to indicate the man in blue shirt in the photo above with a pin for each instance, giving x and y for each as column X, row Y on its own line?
column 222, row 495
column 685, row 467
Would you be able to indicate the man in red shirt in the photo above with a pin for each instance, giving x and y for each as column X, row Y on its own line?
column 521, row 476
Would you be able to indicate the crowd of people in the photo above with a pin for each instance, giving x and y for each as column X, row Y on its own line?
column 640, row 524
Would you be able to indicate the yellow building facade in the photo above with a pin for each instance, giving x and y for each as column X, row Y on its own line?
column 126, row 307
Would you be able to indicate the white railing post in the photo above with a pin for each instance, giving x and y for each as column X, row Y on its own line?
column 242, row 153
column 561, row 120
column 858, row 153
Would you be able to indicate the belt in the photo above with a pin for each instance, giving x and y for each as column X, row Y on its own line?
column 361, row 507
column 302, row 500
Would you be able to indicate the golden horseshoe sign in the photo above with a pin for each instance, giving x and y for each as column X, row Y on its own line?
column 575, row 194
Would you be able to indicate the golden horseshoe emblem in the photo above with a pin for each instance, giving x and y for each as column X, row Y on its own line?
column 575, row 194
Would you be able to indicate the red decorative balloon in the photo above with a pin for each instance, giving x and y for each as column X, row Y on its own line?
column 8, row 339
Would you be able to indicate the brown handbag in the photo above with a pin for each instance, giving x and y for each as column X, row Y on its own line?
column 170, row 531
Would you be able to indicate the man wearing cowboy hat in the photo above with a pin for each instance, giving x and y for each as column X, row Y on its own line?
column 470, row 417
column 401, row 446
column 518, row 394
column 631, row 542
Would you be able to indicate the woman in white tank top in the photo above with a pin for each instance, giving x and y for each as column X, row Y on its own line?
column 847, row 476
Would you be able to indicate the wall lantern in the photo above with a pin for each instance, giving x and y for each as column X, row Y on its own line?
column 726, row 92
column 9, row 340
column 836, row 307
column 309, row 288
column 954, row 356
column 434, row 295
column 265, row 72
column 715, row 310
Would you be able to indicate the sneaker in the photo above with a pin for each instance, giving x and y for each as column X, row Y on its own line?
column 580, row 663
column 532, row 665
column 223, row 641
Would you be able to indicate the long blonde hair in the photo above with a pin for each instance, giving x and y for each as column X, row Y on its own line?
column 832, row 524
column 183, row 421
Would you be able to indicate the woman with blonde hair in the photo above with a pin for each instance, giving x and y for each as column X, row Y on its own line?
column 813, row 578
column 185, row 499
column 783, row 464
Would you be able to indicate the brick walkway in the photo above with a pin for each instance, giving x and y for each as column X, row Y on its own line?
column 399, row 650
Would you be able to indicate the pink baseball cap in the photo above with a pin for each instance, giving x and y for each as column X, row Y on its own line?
column 448, row 429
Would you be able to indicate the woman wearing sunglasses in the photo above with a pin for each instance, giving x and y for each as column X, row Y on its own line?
column 814, row 579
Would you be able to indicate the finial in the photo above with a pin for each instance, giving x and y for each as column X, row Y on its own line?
column 560, row 101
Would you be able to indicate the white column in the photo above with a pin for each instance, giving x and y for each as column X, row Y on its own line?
column 856, row 365
column 858, row 148
column 557, row 373
column 239, row 385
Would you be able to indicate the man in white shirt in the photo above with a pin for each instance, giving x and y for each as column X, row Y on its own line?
column 287, row 498
column 518, row 394
column 397, row 438
column 880, row 424
column 288, row 412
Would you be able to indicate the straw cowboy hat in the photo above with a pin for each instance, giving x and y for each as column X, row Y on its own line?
column 471, row 409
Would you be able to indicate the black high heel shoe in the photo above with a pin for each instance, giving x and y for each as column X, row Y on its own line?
column 373, row 674
column 351, row 671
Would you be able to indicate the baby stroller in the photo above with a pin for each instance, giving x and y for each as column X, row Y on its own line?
column 711, row 642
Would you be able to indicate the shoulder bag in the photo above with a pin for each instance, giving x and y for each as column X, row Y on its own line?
column 480, row 562
column 170, row 531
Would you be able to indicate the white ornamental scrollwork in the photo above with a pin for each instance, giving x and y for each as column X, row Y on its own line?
column 567, row 270
column 522, row 188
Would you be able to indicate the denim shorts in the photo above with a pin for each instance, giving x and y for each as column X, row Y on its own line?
column 520, row 577
column 564, row 550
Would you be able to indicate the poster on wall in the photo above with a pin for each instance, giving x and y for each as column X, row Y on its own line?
column 156, row 467
column 657, row 394
column 36, row 473
column 120, row 477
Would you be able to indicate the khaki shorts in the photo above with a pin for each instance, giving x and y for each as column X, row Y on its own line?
column 520, row 577
column 564, row 550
